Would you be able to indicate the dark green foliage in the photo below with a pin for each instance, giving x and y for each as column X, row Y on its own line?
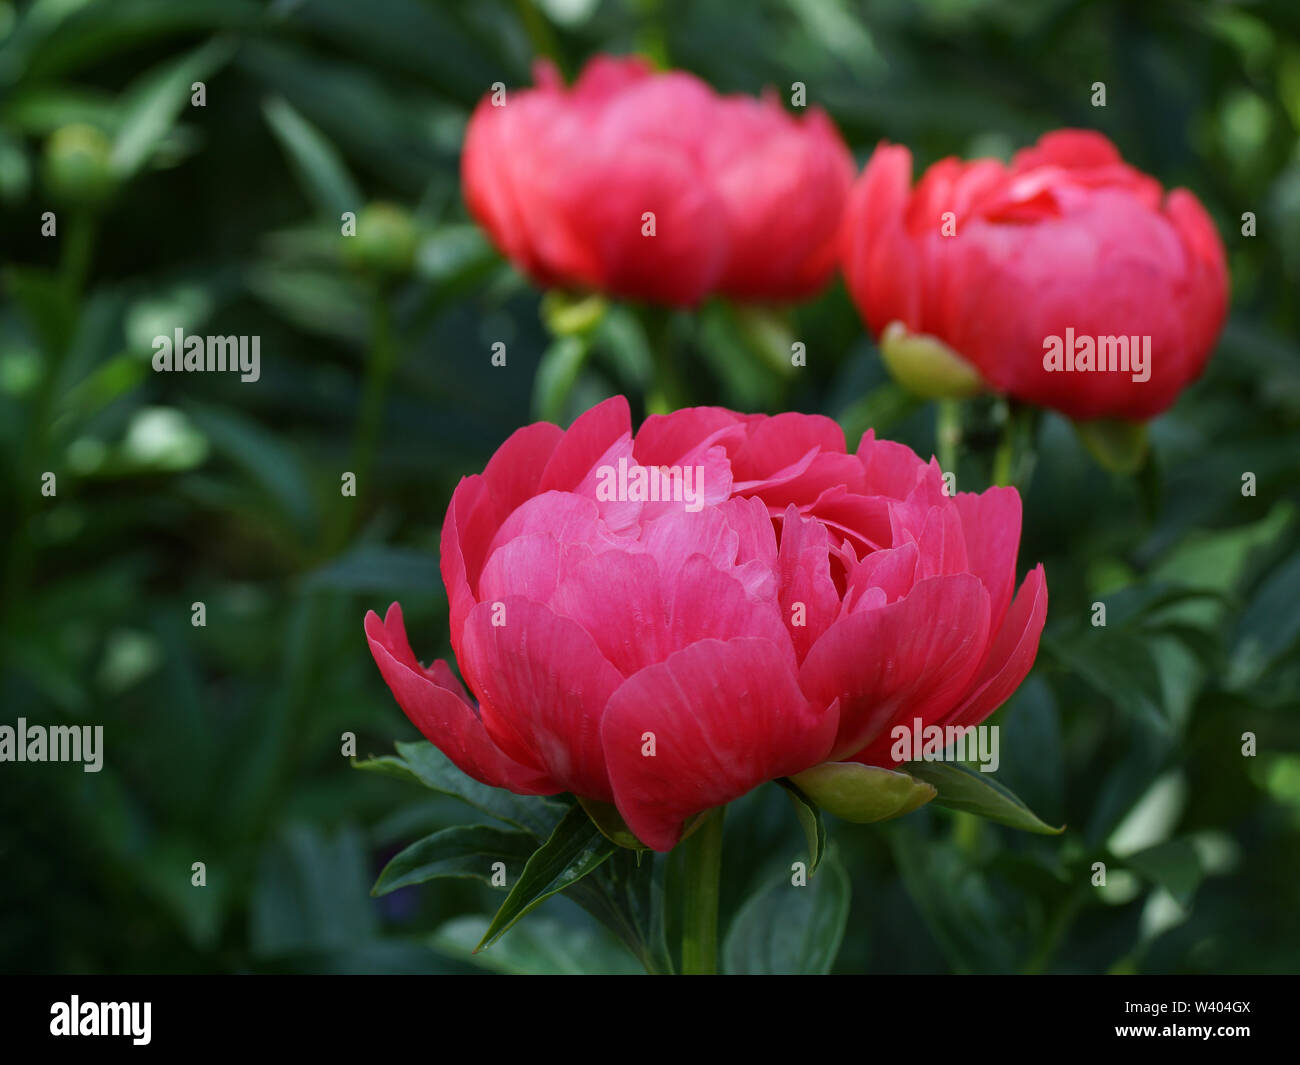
column 223, row 743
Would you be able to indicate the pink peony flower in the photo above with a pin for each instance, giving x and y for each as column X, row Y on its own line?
column 667, row 620
column 742, row 198
column 1069, row 243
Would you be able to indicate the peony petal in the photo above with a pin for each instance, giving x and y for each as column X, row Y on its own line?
column 663, row 439
column 711, row 604
column 807, row 593
column 911, row 658
column 436, row 704
column 466, row 534
column 590, row 436
column 1011, row 655
column 725, row 717
column 618, row 599
column 893, row 572
column 515, row 471
column 543, row 685
column 991, row 522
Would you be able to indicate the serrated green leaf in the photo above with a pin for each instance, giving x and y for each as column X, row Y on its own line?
column 978, row 793
column 574, row 849
column 466, row 851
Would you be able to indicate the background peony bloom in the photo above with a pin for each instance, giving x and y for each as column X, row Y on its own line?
column 746, row 198
column 1067, row 237
column 812, row 600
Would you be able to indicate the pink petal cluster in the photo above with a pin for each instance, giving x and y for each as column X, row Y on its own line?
column 993, row 259
column 813, row 599
column 746, row 199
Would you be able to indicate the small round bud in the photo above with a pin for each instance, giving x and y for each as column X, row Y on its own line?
column 77, row 168
column 385, row 242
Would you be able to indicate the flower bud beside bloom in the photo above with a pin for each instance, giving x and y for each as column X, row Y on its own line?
column 1019, row 268
column 653, row 187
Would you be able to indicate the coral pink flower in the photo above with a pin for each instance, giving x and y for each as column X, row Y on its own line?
column 1067, row 242
column 652, row 187
column 764, row 601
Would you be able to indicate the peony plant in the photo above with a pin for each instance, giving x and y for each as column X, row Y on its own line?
column 657, row 623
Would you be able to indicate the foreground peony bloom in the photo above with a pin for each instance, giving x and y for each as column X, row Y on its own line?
column 744, row 199
column 1068, row 242
column 778, row 603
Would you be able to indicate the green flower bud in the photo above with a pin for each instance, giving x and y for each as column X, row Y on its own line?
column 863, row 793
column 925, row 366
column 566, row 314
column 77, row 167
column 385, row 242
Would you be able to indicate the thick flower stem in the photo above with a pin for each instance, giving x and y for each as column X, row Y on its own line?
column 702, row 874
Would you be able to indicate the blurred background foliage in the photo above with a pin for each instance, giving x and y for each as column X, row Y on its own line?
column 223, row 741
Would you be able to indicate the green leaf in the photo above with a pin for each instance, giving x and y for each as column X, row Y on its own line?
column 423, row 763
column 377, row 569
column 467, row 851
column 310, row 893
column 975, row 922
column 48, row 307
column 1173, row 865
column 810, row 820
column 542, row 947
column 1118, row 446
column 155, row 101
column 785, row 929
column 56, row 37
column 263, row 456
column 605, row 816
column 1269, row 626
column 556, row 374
column 961, row 788
column 575, row 848
column 626, row 897
column 317, row 162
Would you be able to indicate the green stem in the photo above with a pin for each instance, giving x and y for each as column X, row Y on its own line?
column 668, row 392
column 947, row 433
column 701, row 875
column 539, row 32
column 1013, row 461
column 74, row 268
column 380, row 363
column 1004, row 458
column 651, row 38
column 78, row 249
